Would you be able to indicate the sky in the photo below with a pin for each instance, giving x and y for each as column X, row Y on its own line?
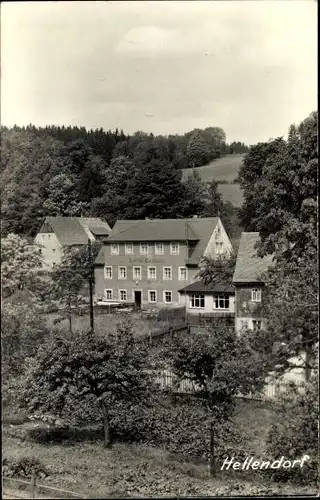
column 249, row 67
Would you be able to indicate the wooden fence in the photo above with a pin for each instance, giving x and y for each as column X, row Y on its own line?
column 271, row 391
column 18, row 488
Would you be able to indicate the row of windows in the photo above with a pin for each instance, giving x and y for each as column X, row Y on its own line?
column 221, row 301
column 158, row 248
column 152, row 296
column 144, row 248
column 151, row 273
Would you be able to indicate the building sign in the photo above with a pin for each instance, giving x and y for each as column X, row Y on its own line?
column 145, row 260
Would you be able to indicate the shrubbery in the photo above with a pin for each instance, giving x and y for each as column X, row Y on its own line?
column 24, row 468
column 295, row 433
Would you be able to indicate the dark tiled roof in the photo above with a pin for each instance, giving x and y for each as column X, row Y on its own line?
column 196, row 230
column 249, row 266
column 74, row 230
column 200, row 287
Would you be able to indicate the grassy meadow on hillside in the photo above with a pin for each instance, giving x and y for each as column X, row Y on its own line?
column 223, row 169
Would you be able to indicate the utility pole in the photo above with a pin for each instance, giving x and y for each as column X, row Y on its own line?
column 91, row 286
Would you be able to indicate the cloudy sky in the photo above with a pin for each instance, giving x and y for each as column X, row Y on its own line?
column 249, row 67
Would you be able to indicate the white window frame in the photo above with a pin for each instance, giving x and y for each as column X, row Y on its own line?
column 163, row 273
column 255, row 294
column 157, row 250
column 113, row 250
column 171, row 248
column 218, row 297
column 254, row 323
column 126, row 274
column 155, row 273
column 119, row 295
column 105, row 293
column 164, row 296
column 105, row 273
column 199, row 297
column 149, row 296
column 127, row 246
column 142, row 252
column 180, row 276
column 133, row 273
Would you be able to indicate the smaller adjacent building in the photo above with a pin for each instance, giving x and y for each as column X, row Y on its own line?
column 210, row 300
column 248, row 284
column 59, row 232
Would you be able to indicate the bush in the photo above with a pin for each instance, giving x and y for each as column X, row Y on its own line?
column 24, row 468
column 296, row 433
column 181, row 429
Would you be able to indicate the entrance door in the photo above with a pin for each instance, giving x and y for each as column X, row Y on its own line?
column 137, row 299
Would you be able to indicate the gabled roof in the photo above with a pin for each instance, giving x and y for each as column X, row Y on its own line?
column 200, row 287
column 154, row 230
column 197, row 231
column 249, row 266
column 74, row 230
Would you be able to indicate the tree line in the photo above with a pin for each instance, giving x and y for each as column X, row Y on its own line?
column 70, row 171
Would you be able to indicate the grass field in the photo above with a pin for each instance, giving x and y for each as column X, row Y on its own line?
column 140, row 470
column 222, row 169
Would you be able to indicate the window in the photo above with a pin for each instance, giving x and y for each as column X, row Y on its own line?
column 152, row 273
column 174, row 248
column 183, row 275
column 49, row 236
column 108, row 272
column 256, row 294
column 256, row 324
column 167, row 296
column 108, row 294
column 122, row 295
column 197, row 300
column 152, row 296
column 114, row 249
column 159, row 248
column 143, row 248
column 136, row 272
column 122, row 272
column 167, row 273
column 129, row 249
column 54, row 250
column 219, row 248
column 221, row 301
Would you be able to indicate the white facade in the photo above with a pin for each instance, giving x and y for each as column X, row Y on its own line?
column 190, row 300
column 51, row 249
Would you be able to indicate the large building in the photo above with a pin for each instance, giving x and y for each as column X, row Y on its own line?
column 248, row 284
column 146, row 262
column 59, row 232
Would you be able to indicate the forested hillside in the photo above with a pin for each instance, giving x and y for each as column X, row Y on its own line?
column 73, row 171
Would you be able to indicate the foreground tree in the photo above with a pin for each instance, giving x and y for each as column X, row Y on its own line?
column 20, row 267
column 222, row 366
column 71, row 277
column 295, row 433
column 71, row 373
column 290, row 339
column 279, row 179
column 218, row 270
